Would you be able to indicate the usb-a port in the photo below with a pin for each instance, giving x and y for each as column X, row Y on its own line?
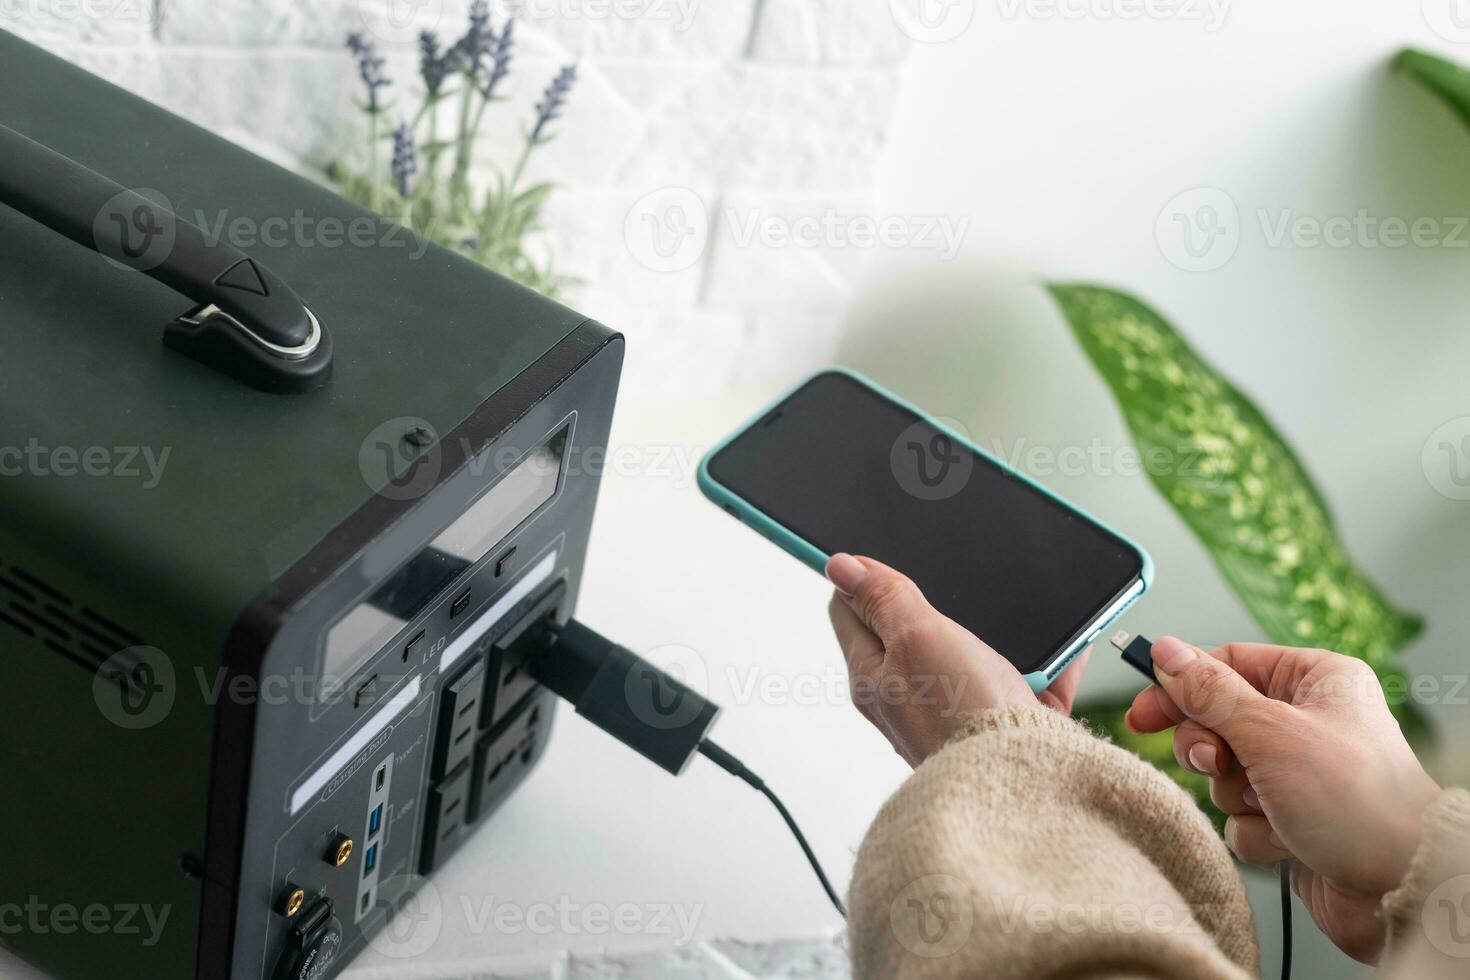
column 370, row 863
column 375, row 821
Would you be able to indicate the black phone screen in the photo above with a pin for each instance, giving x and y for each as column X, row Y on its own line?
column 846, row 469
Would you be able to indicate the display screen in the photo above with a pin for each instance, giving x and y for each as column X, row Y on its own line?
column 846, row 469
column 512, row 500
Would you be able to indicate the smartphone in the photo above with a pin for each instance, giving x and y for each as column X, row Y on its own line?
column 840, row 465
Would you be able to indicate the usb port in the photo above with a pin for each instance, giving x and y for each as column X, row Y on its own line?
column 375, row 821
column 370, row 863
column 459, row 604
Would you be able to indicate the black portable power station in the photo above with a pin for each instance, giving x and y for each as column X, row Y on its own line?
column 279, row 513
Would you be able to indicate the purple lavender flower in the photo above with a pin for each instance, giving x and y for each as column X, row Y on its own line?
column 434, row 65
column 471, row 50
column 553, row 101
column 405, row 164
column 500, row 54
column 370, row 68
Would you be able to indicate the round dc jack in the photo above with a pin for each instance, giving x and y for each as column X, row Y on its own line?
column 340, row 851
column 291, row 900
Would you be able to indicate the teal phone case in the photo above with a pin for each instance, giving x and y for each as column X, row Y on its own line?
column 812, row 556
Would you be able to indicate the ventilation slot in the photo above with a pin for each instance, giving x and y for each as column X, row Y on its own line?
column 38, row 610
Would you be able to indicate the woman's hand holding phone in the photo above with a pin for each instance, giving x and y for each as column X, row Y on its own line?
column 915, row 673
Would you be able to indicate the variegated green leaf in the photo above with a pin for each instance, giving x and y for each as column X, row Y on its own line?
column 1226, row 471
column 1444, row 78
column 1237, row 484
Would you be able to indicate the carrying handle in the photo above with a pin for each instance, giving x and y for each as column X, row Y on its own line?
column 247, row 322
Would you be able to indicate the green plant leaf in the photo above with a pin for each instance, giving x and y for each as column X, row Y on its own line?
column 1235, row 482
column 1226, row 471
column 1444, row 78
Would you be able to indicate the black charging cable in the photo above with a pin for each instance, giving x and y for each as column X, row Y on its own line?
column 648, row 710
column 1138, row 653
column 736, row 768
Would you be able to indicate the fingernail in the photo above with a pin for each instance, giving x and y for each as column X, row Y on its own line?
column 1203, row 755
column 846, row 573
column 1251, row 797
column 1171, row 654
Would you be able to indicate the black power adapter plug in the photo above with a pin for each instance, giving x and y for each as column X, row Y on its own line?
column 656, row 715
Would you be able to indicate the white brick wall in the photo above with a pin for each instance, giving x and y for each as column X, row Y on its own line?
column 767, row 110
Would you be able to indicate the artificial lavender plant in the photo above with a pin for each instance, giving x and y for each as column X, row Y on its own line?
column 429, row 181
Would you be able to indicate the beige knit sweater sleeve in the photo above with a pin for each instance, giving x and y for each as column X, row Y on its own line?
column 1030, row 848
